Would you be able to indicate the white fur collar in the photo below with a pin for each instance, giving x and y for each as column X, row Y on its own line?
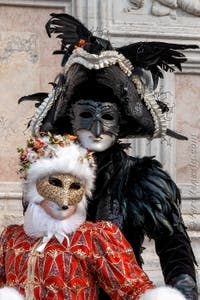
column 37, row 223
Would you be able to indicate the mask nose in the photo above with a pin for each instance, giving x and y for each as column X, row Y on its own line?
column 96, row 128
column 65, row 207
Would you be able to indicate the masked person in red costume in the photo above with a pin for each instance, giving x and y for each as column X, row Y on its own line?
column 56, row 253
column 101, row 96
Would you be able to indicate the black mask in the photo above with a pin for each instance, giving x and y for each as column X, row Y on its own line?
column 97, row 117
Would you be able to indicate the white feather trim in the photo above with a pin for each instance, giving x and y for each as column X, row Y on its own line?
column 37, row 223
column 162, row 293
column 9, row 293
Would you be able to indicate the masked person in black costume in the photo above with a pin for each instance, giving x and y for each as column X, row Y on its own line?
column 100, row 96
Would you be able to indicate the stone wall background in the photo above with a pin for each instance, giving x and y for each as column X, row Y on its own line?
column 26, row 67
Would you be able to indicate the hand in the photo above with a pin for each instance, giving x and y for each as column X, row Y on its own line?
column 187, row 285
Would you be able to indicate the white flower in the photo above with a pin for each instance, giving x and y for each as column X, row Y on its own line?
column 32, row 156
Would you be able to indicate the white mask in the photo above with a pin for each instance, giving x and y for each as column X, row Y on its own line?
column 96, row 144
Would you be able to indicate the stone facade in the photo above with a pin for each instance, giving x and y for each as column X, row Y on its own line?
column 26, row 66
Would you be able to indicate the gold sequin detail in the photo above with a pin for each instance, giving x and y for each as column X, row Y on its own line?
column 67, row 190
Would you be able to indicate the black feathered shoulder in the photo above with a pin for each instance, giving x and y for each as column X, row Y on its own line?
column 153, row 198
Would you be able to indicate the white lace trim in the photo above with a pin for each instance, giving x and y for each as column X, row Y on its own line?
column 103, row 60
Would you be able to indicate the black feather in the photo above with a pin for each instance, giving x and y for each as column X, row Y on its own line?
column 153, row 195
column 39, row 97
column 176, row 135
column 156, row 56
column 150, row 194
column 163, row 106
column 70, row 27
column 141, row 198
column 71, row 31
column 53, row 84
column 59, row 52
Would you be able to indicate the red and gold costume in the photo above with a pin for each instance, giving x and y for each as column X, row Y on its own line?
column 95, row 255
column 56, row 254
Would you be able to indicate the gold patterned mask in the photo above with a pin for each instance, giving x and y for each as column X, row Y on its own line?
column 63, row 189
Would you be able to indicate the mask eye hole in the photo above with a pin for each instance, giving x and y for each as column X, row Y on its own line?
column 108, row 117
column 75, row 186
column 86, row 115
column 55, row 181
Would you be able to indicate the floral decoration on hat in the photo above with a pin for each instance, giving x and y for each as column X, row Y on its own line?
column 45, row 146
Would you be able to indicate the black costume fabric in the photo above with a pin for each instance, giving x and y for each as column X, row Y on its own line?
column 134, row 193
column 139, row 197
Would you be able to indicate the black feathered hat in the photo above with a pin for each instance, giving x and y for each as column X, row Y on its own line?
column 93, row 69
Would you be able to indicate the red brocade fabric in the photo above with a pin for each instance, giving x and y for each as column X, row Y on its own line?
column 96, row 255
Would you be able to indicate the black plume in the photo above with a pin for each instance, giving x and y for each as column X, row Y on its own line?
column 39, row 97
column 163, row 106
column 176, row 135
column 69, row 29
column 156, row 56
column 72, row 33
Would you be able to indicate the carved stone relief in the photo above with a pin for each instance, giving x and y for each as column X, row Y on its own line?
column 169, row 7
column 17, row 43
column 137, row 4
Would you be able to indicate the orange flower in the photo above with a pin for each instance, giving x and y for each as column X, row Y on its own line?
column 71, row 137
column 38, row 144
column 82, row 42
